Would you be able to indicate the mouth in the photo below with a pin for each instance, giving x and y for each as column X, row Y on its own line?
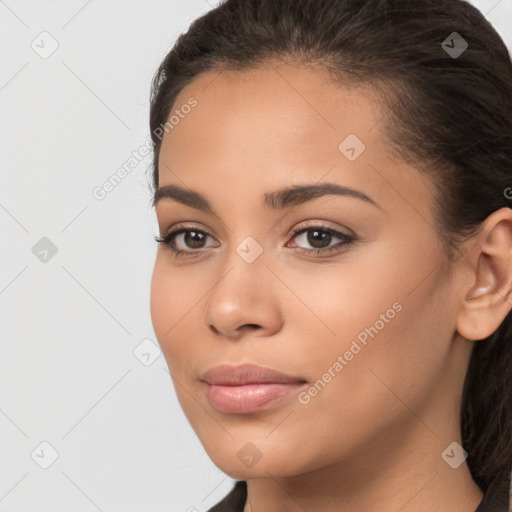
column 247, row 388
column 248, row 398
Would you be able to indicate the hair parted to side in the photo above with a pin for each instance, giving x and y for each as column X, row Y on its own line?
column 450, row 117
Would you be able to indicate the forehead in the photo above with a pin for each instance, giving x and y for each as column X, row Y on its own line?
column 275, row 104
column 253, row 131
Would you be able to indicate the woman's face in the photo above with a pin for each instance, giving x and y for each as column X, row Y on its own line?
column 369, row 325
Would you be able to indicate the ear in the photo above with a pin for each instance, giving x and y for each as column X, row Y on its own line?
column 488, row 298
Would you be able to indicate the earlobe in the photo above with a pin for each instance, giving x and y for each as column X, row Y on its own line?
column 488, row 300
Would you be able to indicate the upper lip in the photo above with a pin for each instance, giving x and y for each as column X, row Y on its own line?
column 247, row 373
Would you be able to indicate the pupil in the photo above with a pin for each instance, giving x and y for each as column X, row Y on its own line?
column 191, row 242
column 321, row 237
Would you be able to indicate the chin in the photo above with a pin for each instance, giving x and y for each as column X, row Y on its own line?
column 239, row 465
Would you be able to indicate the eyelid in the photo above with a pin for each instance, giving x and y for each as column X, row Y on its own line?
column 186, row 225
column 320, row 224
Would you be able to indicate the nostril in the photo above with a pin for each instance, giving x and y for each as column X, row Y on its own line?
column 252, row 326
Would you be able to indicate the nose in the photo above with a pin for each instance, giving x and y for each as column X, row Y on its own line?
column 244, row 300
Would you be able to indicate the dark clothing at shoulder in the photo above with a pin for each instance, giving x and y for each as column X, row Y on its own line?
column 496, row 499
column 234, row 501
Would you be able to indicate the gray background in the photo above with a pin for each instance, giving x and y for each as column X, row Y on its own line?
column 79, row 363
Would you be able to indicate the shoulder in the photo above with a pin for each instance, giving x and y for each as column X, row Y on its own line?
column 496, row 498
column 234, row 501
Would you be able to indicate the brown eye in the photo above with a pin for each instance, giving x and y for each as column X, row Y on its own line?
column 320, row 238
column 181, row 239
column 194, row 239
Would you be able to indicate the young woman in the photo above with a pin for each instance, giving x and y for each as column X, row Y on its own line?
column 332, row 291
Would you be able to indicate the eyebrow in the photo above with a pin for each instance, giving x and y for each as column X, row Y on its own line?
column 277, row 200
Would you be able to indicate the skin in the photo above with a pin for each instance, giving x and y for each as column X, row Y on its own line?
column 372, row 439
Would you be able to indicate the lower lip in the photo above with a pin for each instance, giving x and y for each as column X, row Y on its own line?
column 248, row 398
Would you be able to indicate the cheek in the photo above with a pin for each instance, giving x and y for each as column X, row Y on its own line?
column 389, row 316
column 175, row 322
column 170, row 302
column 393, row 338
column 161, row 301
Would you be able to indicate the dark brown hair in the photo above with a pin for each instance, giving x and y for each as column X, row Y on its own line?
column 449, row 115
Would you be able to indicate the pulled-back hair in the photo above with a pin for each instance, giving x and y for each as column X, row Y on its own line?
column 449, row 115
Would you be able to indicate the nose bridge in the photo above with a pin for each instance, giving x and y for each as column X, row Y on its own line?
column 242, row 295
column 243, row 272
column 250, row 250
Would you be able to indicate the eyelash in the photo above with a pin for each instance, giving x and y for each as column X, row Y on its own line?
column 346, row 240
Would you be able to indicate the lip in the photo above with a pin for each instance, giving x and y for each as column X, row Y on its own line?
column 248, row 373
column 247, row 388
